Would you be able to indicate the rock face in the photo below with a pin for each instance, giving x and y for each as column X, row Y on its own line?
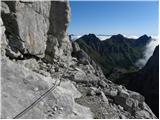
column 146, row 81
column 57, row 35
column 36, row 27
column 37, row 53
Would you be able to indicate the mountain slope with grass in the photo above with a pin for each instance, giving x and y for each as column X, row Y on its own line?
column 115, row 52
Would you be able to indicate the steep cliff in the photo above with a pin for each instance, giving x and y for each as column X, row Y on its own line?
column 146, row 81
column 37, row 55
column 33, row 28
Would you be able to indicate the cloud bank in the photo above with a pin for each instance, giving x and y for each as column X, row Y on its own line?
column 149, row 49
column 103, row 37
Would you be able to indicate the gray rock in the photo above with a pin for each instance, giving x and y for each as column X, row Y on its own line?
column 4, row 8
column 123, row 98
column 104, row 97
column 76, row 47
column 123, row 94
column 102, row 83
column 42, row 72
column 92, row 92
column 143, row 115
column 31, row 64
column 3, row 38
column 122, row 117
column 120, row 107
column 35, row 28
column 80, row 76
column 58, row 22
column 19, row 86
column 137, row 96
column 131, row 103
column 111, row 92
column 120, row 88
column 96, row 90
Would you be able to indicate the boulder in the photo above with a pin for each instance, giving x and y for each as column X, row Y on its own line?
column 111, row 92
column 142, row 114
column 96, row 90
column 104, row 97
column 137, row 96
column 123, row 94
column 102, row 83
column 79, row 76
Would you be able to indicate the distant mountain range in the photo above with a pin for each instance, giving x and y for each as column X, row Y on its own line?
column 114, row 52
column 100, row 36
column 105, row 36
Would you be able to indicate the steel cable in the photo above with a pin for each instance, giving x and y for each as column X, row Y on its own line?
column 44, row 94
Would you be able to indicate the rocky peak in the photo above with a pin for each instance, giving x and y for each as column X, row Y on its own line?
column 117, row 37
column 144, row 37
column 91, row 35
column 143, row 40
column 90, row 38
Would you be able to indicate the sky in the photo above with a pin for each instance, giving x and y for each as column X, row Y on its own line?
column 132, row 18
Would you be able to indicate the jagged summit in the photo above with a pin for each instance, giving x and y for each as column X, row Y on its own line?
column 144, row 37
column 90, row 37
column 117, row 37
column 143, row 40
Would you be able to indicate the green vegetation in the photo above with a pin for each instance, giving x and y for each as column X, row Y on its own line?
column 116, row 52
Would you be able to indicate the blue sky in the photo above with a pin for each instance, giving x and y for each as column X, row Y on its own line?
column 113, row 17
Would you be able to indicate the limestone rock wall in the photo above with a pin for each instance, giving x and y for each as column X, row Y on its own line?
column 36, row 28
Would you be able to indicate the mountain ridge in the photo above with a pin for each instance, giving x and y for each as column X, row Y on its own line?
column 127, row 50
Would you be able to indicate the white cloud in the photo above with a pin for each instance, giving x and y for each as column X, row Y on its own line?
column 149, row 49
column 131, row 36
column 74, row 37
column 103, row 37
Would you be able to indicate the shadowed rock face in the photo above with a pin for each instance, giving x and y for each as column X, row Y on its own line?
column 57, row 35
column 146, row 81
column 36, row 52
